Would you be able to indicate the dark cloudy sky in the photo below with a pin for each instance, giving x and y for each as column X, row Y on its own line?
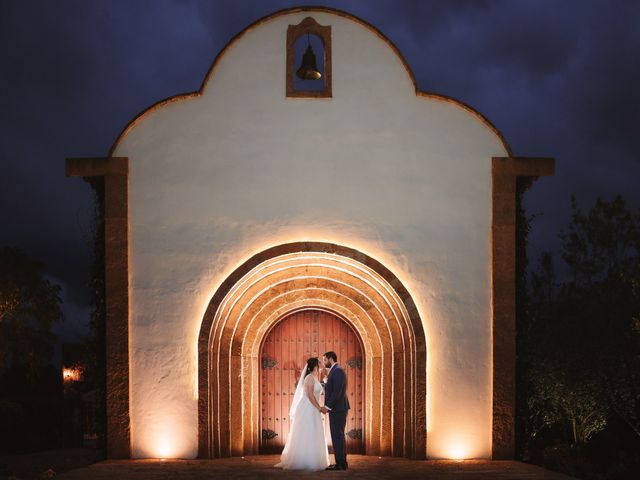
column 558, row 77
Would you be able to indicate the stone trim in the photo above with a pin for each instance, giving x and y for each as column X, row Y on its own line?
column 223, row 343
column 115, row 174
column 96, row 167
column 505, row 171
column 308, row 25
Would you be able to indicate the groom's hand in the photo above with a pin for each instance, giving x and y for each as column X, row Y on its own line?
column 324, row 409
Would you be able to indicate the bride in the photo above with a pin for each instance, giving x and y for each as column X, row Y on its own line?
column 306, row 448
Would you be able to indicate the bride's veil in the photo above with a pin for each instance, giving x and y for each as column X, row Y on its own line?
column 298, row 395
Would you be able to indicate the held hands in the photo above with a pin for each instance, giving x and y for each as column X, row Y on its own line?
column 324, row 410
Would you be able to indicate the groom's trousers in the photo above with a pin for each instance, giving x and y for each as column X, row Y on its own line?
column 337, row 422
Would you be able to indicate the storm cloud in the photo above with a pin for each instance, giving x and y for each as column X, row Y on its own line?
column 557, row 78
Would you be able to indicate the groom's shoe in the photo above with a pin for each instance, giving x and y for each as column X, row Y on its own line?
column 334, row 467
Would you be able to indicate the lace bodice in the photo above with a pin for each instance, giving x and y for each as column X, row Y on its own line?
column 317, row 389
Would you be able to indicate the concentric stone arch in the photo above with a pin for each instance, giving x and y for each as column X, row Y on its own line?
column 312, row 275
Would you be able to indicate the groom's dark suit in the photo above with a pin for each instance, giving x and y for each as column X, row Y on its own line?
column 335, row 397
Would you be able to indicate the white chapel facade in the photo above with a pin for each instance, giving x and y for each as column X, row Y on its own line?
column 363, row 203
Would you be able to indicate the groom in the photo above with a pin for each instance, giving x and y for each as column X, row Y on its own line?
column 337, row 404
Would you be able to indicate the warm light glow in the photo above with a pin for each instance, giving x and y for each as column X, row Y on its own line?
column 71, row 374
column 164, row 448
column 165, row 436
column 458, row 452
column 460, row 447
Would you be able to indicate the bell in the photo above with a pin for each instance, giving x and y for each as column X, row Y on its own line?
column 309, row 70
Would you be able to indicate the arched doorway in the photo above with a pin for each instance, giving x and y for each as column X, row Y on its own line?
column 317, row 276
column 284, row 351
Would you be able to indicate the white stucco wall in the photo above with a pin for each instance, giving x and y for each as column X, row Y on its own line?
column 218, row 178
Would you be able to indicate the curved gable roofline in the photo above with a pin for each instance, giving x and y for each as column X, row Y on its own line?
column 288, row 11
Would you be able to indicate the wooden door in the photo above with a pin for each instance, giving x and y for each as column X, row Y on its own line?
column 284, row 352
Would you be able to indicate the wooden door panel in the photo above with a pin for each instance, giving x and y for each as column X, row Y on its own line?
column 304, row 334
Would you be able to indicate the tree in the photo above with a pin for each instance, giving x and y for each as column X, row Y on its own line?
column 583, row 345
column 29, row 306
column 602, row 251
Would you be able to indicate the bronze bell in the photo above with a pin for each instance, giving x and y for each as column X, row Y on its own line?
column 308, row 69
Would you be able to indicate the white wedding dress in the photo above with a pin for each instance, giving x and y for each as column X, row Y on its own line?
column 306, row 447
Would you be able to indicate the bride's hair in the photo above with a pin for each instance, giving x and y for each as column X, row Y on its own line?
column 311, row 364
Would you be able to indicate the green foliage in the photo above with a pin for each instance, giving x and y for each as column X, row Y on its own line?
column 29, row 306
column 582, row 347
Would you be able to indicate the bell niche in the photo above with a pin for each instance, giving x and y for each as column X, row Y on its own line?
column 309, row 60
